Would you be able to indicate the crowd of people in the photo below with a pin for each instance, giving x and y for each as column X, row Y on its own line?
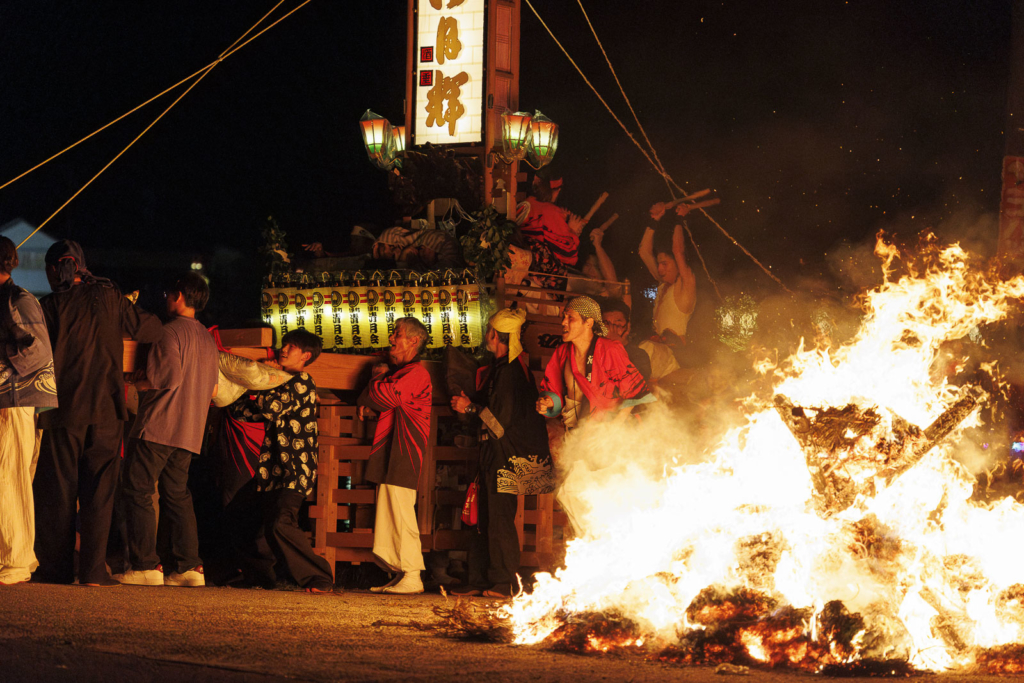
column 546, row 252
column 69, row 466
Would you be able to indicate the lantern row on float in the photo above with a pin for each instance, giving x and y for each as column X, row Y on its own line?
column 350, row 311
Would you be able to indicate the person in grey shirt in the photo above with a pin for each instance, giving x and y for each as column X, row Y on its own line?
column 180, row 380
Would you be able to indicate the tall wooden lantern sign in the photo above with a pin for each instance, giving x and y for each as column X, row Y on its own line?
column 463, row 72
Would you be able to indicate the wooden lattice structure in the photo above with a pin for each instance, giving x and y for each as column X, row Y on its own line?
column 343, row 507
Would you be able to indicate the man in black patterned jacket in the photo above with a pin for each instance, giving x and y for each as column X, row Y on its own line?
column 269, row 504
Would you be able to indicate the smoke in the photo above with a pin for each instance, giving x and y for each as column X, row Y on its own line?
column 609, row 468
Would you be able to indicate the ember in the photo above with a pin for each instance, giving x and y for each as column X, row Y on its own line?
column 598, row 632
column 1005, row 659
column 872, row 668
column 715, row 605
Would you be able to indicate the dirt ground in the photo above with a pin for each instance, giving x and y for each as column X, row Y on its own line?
column 127, row 634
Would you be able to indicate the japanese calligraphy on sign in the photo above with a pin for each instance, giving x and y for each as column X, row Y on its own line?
column 443, row 105
column 448, row 44
column 449, row 84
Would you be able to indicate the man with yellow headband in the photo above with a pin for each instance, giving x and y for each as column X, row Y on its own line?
column 589, row 374
column 514, row 456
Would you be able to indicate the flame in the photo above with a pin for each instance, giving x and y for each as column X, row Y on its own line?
column 888, row 564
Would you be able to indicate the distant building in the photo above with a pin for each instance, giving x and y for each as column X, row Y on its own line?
column 31, row 270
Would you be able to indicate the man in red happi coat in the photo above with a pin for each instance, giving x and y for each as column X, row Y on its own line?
column 589, row 374
column 400, row 392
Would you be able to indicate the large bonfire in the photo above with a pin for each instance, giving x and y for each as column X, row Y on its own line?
column 835, row 528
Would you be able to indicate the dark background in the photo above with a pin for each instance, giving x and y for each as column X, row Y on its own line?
column 816, row 122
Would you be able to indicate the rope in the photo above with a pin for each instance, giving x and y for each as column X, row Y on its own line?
column 629, row 104
column 227, row 53
column 703, row 265
column 658, row 167
column 665, row 176
column 587, row 81
column 744, row 250
column 205, row 73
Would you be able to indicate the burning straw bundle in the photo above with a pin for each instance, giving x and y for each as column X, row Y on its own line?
column 469, row 621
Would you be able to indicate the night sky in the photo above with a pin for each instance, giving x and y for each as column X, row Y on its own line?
column 814, row 121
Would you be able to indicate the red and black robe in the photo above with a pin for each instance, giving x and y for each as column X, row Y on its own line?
column 608, row 379
column 402, row 397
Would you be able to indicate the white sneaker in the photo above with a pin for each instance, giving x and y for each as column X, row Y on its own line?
column 410, row 584
column 141, row 577
column 189, row 578
column 394, row 580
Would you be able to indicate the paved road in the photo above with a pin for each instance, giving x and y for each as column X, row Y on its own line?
column 128, row 634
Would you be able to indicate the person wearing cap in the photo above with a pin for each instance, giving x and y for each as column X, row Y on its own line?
column 27, row 386
column 514, row 456
column 589, row 374
column 79, row 456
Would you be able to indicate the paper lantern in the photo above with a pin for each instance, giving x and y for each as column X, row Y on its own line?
column 353, row 316
column 322, row 315
column 468, row 317
column 376, row 329
column 446, row 294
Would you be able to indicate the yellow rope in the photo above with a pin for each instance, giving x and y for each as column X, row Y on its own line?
column 206, row 68
column 114, row 159
column 658, row 167
column 744, row 250
column 629, row 104
column 703, row 265
column 587, row 81
column 204, row 73
column 98, row 130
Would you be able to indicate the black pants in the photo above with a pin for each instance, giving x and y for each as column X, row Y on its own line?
column 76, row 464
column 146, row 465
column 274, row 516
column 494, row 553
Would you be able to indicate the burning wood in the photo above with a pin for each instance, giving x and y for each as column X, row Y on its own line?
column 871, row 668
column 847, row 448
column 598, row 632
column 843, row 543
column 716, row 605
column 468, row 621
column 1004, row 659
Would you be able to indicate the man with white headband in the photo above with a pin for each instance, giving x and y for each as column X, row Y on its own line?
column 589, row 374
column 514, row 456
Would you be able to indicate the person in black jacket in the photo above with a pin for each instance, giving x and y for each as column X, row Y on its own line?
column 514, row 458
column 26, row 386
column 79, row 456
